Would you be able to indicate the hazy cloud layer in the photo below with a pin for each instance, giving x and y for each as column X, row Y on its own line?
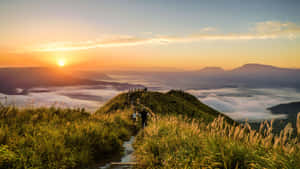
column 237, row 103
column 251, row 104
column 74, row 97
column 261, row 30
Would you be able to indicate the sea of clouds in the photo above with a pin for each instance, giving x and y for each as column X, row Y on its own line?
column 237, row 103
column 73, row 97
column 244, row 103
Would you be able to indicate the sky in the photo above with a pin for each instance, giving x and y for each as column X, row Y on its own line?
column 122, row 34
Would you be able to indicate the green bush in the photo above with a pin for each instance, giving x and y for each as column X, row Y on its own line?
column 58, row 138
column 7, row 157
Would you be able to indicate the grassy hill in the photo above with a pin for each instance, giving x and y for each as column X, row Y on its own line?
column 173, row 102
column 45, row 138
column 172, row 141
column 73, row 138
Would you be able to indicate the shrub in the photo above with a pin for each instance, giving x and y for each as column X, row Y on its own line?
column 58, row 138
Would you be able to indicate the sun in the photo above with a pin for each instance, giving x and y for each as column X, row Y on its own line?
column 61, row 63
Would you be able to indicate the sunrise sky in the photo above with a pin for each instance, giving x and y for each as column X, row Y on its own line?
column 120, row 34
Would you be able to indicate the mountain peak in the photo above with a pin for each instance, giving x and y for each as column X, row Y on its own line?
column 174, row 102
column 254, row 67
column 212, row 70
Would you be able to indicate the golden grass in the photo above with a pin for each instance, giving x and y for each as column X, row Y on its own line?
column 44, row 138
column 176, row 142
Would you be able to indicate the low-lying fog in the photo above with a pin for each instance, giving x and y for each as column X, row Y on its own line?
column 74, row 97
column 238, row 103
column 243, row 103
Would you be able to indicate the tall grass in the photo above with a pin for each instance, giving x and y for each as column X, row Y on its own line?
column 173, row 142
column 58, row 138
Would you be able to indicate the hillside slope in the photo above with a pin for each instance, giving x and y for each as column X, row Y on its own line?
column 290, row 109
column 173, row 102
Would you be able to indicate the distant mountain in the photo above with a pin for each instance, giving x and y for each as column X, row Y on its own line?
column 93, row 75
column 291, row 109
column 249, row 75
column 255, row 68
column 264, row 70
column 19, row 80
column 211, row 70
column 257, row 75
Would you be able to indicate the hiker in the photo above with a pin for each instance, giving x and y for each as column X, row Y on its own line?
column 143, row 112
column 144, row 116
column 134, row 116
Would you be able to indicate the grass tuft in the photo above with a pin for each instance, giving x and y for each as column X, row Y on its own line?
column 175, row 142
column 59, row 138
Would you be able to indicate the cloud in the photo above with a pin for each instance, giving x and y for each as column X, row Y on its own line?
column 260, row 31
column 66, row 97
column 289, row 30
column 90, row 44
column 242, row 103
column 208, row 29
column 276, row 27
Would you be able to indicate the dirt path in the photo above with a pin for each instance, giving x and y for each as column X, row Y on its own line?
column 126, row 160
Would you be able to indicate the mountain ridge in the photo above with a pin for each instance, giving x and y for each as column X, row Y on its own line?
column 248, row 75
column 174, row 102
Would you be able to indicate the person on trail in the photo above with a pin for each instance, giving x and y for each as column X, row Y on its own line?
column 144, row 116
column 134, row 116
column 143, row 111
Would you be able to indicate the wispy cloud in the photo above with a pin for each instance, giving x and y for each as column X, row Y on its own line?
column 261, row 31
column 90, row 44
column 288, row 29
column 208, row 29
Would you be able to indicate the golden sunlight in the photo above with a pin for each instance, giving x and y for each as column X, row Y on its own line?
column 61, row 63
